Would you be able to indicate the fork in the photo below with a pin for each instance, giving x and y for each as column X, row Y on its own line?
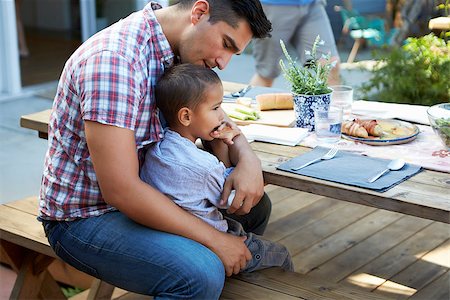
column 329, row 155
column 242, row 92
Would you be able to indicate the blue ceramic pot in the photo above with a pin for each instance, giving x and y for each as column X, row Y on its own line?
column 304, row 106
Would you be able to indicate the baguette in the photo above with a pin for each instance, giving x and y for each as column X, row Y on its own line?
column 275, row 101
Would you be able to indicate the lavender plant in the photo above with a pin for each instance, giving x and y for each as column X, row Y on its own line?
column 310, row 79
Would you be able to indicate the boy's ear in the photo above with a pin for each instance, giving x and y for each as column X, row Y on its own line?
column 185, row 116
column 199, row 9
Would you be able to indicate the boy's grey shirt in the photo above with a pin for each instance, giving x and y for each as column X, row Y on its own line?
column 191, row 177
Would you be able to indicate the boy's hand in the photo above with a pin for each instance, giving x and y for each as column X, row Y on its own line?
column 226, row 132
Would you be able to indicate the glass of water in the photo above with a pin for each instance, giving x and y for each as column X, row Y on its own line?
column 342, row 96
column 328, row 122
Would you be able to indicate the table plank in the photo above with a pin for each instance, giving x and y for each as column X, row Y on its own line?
column 36, row 121
column 17, row 230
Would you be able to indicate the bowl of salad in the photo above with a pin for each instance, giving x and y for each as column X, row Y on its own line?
column 439, row 116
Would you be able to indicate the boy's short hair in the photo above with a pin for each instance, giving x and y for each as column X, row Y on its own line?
column 232, row 11
column 182, row 85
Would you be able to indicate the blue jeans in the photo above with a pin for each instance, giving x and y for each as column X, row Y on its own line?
column 128, row 255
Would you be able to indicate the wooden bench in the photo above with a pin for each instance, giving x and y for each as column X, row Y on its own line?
column 25, row 248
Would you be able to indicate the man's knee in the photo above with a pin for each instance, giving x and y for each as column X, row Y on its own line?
column 260, row 215
column 257, row 219
column 206, row 278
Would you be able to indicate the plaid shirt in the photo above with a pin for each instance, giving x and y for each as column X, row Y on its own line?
column 110, row 79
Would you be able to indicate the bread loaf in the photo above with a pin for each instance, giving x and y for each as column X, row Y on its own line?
column 274, row 101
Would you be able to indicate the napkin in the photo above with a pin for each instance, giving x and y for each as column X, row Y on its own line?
column 351, row 169
column 381, row 110
column 272, row 134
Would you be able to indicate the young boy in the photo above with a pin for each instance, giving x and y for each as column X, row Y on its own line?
column 189, row 97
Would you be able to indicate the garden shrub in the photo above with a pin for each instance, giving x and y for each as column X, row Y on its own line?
column 416, row 73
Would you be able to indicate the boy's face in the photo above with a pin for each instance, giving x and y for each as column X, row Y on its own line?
column 212, row 45
column 208, row 115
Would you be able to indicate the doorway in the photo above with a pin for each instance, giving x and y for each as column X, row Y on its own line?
column 53, row 30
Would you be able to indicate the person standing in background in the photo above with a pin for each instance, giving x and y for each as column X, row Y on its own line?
column 23, row 48
column 297, row 22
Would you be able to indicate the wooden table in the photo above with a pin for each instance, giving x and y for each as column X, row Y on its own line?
column 425, row 195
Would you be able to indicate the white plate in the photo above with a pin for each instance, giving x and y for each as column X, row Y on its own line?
column 394, row 132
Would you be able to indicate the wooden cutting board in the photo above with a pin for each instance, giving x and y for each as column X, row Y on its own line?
column 282, row 118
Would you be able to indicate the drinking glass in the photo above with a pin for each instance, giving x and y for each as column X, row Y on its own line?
column 328, row 124
column 342, row 96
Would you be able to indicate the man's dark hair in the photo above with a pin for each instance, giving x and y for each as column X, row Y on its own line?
column 181, row 86
column 232, row 11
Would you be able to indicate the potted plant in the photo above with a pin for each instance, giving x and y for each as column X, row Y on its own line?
column 309, row 85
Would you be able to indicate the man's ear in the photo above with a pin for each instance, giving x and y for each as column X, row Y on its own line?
column 185, row 116
column 200, row 8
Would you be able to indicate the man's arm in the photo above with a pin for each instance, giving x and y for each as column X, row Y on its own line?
column 246, row 178
column 113, row 154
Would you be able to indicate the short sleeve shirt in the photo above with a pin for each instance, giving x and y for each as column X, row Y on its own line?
column 110, row 79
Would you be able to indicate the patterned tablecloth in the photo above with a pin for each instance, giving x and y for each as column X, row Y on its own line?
column 426, row 150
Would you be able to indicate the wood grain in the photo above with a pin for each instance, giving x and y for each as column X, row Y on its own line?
column 370, row 248
column 346, row 238
column 325, row 227
column 404, row 253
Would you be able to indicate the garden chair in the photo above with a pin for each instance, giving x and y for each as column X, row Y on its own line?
column 362, row 29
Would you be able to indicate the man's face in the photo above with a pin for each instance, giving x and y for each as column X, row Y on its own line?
column 213, row 45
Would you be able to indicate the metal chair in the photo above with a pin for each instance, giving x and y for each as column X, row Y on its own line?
column 362, row 29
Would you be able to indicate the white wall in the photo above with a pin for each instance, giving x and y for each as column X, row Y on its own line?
column 9, row 53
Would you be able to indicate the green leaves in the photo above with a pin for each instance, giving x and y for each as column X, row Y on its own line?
column 310, row 79
column 417, row 73
column 445, row 7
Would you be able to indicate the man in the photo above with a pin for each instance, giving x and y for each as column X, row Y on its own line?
column 98, row 215
column 297, row 22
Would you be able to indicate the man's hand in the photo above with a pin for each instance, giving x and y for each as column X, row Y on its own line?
column 248, row 182
column 232, row 251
